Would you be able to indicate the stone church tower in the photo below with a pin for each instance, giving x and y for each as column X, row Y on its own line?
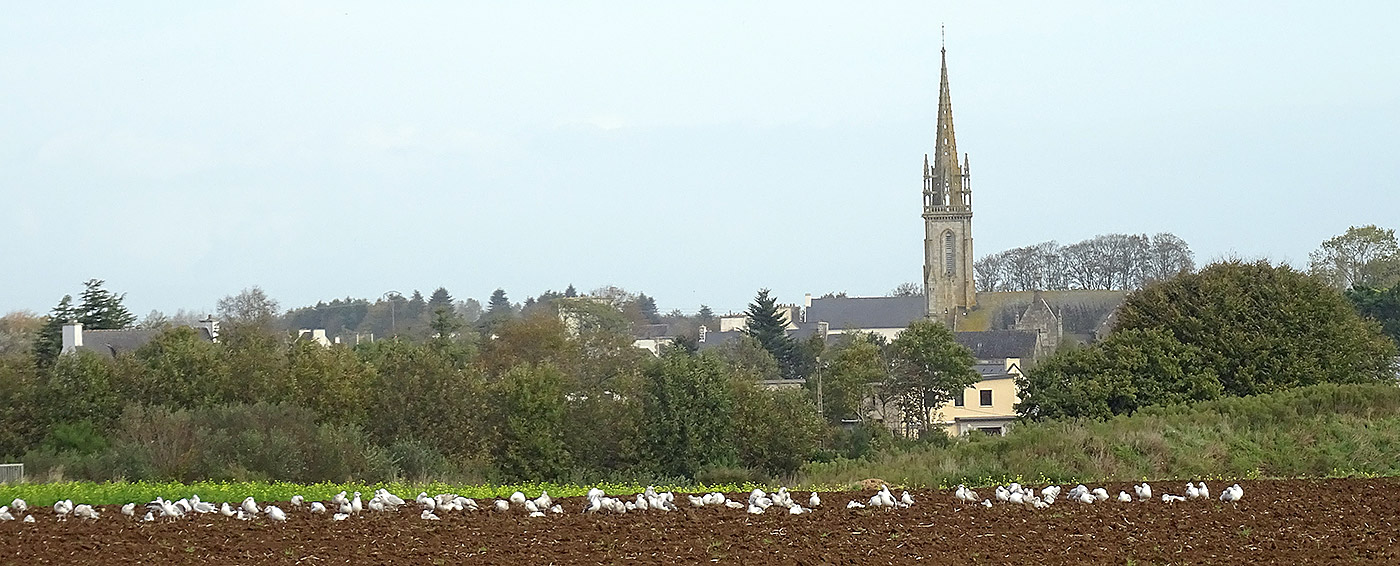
column 947, row 220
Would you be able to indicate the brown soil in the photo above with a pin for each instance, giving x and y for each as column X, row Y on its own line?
column 1278, row 522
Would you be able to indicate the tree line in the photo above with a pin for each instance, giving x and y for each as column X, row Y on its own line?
column 1110, row 261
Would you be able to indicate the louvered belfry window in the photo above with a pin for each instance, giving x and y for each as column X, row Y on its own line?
column 948, row 262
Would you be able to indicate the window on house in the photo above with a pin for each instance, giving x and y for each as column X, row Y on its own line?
column 986, row 397
column 960, row 398
column 990, row 430
column 948, row 264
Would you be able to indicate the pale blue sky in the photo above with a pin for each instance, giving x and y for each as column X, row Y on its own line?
column 697, row 152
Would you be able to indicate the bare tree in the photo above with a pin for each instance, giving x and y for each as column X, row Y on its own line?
column 250, row 307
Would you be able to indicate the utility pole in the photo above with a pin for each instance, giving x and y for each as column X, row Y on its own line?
column 820, row 411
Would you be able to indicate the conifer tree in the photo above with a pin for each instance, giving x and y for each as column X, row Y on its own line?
column 103, row 309
column 49, row 341
column 769, row 326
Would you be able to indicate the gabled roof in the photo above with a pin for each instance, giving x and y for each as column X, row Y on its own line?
column 997, row 344
column 714, row 339
column 856, row 313
column 127, row 340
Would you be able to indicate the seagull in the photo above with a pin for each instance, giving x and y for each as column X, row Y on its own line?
column 814, row 501
column 1191, row 491
column 376, row 504
column 755, row 510
column 733, row 504
column 1203, row 491
column 297, row 500
column 129, row 509
column 250, row 506
column 1087, row 497
column 517, row 498
column 543, row 501
column 1003, row 494
column 855, row 505
column 1169, row 498
column 503, row 505
column 796, row 510
column 356, row 505
column 906, row 499
column 226, row 511
column 1143, row 491
column 1050, row 493
column 63, row 508
column 340, row 516
column 18, row 505
column 5, row 514
column 1232, row 494
column 203, row 507
column 150, row 516
column 556, row 509
column 987, row 503
column 428, row 515
column 1124, row 497
column 316, row 507
column 1100, row 493
column 275, row 513
column 531, row 507
column 535, row 514
column 85, row 511
column 30, row 518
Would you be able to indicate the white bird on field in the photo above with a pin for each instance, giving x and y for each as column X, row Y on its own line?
column 1100, row 493
column 19, row 506
column 1077, row 491
column 1169, row 498
column 341, row 499
column 556, row 509
column 29, row 518
column 814, row 501
column 1017, row 498
column 855, row 505
column 356, row 505
column 1191, row 491
column 987, row 503
column 203, row 507
column 316, row 507
column 1087, row 497
column 1003, row 494
column 1050, row 493
column 275, row 513
column 376, row 504
column 696, row 501
column 755, row 510
column 517, row 498
column 250, row 506
column 733, row 504
column 796, row 510
column 1203, row 491
column 531, row 507
column 150, row 516
column 596, row 493
column 1143, row 491
column 129, row 509
column 906, row 500
column 544, row 501
column 85, row 511
column 5, row 514
column 63, row 508
column 340, row 516
column 427, row 515
column 226, row 510
column 502, row 505
column 1124, row 497
column 297, row 500
column 1232, row 494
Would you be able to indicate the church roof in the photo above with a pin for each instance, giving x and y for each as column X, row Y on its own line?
column 845, row 313
column 997, row 344
column 113, row 342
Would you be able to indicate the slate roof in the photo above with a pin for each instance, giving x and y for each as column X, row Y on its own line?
column 992, row 371
column 995, row 344
column 844, row 313
column 715, row 339
column 112, row 342
column 645, row 331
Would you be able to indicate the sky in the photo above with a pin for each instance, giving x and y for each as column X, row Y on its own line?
column 697, row 152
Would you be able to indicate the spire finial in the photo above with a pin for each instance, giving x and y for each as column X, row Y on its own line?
column 943, row 37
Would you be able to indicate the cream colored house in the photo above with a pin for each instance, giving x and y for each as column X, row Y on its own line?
column 988, row 406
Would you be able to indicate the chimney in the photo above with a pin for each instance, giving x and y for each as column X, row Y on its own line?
column 703, row 330
column 72, row 337
column 808, row 301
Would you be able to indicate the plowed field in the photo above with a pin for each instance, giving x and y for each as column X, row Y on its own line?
column 1278, row 522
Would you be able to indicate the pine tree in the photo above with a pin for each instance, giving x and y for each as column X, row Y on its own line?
column 769, row 326
column 647, row 306
column 416, row 307
column 103, row 309
column 498, row 310
column 440, row 299
column 571, row 292
column 49, row 341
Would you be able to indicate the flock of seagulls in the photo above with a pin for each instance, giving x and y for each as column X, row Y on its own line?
column 1016, row 494
column 431, row 508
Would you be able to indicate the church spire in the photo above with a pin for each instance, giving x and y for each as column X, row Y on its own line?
column 945, row 186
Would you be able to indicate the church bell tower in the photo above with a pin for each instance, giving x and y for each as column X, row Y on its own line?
column 948, row 256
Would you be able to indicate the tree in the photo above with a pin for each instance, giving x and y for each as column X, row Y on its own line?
column 498, row 310
column 18, row 329
column 647, row 306
column 907, row 289
column 1263, row 328
column 102, row 309
column 848, row 376
column 768, row 324
column 1380, row 305
column 774, row 431
column 531, row 424
column 1366, row 255
column 440, row 299
column 1129, row 370
column 929, row 366
column 687, row 414
column 705, row 317
column 250, row 307
column 48, row 342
